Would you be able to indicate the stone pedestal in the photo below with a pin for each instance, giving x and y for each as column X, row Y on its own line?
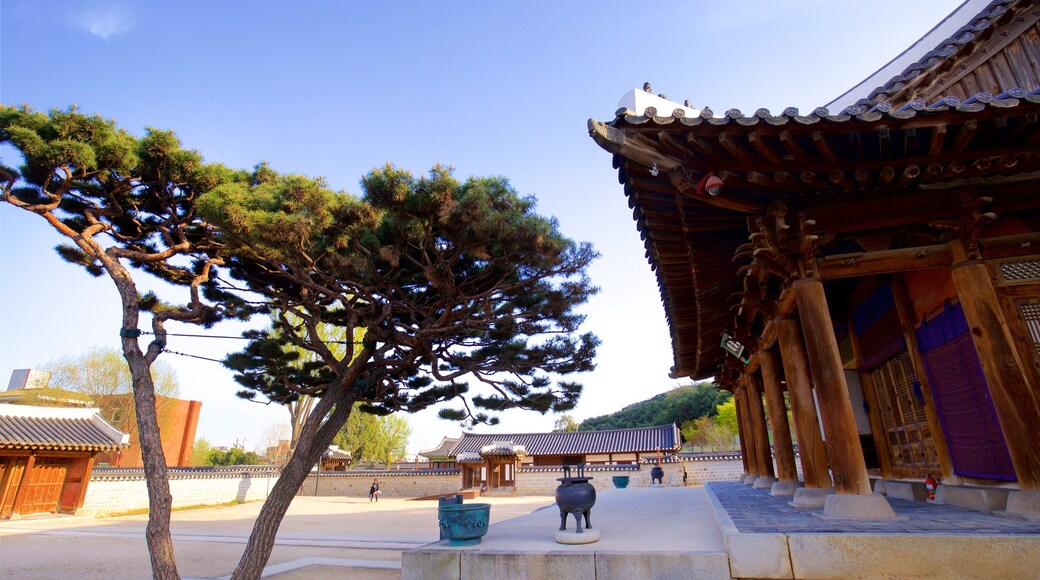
column 810, row 497
column 858, row 507
column 782, row 488
column 983, row 499
column 587, row 536
column 1023, row 504
column 880, row 487
column 764, row 482
column 912, row 490
column 749, row 479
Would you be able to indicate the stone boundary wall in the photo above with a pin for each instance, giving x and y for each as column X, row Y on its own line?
column 114, row 491
column 121, row 491
column 393, row 483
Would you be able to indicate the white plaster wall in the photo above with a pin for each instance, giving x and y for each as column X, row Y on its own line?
column 404, row 484
column 106, row 497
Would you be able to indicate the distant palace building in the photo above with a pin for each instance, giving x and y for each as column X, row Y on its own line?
column 494, row 459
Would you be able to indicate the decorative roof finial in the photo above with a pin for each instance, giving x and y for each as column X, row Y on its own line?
column 648, row 88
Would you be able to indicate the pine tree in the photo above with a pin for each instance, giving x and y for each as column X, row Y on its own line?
column 452, row 283
column 124, row 203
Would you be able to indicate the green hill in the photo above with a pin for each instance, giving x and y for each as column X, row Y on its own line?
column 675, row 406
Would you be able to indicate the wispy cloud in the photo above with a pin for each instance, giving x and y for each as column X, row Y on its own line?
column 103, row 20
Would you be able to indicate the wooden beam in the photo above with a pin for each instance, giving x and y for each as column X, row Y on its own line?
column 1013, row 395
column 769, row 362
column 763, row 148
column 811, row 450
column 859, row 264
column 789, row 143
column 832, row 393
column 820, row 140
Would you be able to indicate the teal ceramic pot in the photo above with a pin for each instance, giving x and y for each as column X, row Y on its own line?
column 620, row 481
column 464, row 524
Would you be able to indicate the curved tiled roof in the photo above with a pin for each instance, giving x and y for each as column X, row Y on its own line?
column 806, row 160
column 642, row 439
column 57, row 429
column 943, row 42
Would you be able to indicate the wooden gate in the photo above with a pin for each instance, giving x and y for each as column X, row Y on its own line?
column 43, row 490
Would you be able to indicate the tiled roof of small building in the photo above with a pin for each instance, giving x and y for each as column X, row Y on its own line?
column 642, row 439
column 442, row 450
column 57, row 429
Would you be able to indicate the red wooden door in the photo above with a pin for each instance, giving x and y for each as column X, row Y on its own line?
column 13, row 472
column 43, row 489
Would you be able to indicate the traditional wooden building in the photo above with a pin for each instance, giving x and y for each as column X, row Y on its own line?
column 46, row 456
column 440, row 457
column 178, row 418
column 494, row 459
column 878, row 261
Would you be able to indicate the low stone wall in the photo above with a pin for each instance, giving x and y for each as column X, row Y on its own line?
column 114, row 491
column 124, row 490
column 392, row 483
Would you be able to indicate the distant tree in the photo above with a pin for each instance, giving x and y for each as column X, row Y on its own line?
column 564, row 424
column 359, row 435
column 201, row 452
column 104, row 377
column 450, row 281
column 709, row 432
column 726, row 413
column 233, row 456
column 393, row 439
column 681, row 404
column 691, row 434
column 124, row 202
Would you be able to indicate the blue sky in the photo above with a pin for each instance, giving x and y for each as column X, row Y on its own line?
column 334, row 89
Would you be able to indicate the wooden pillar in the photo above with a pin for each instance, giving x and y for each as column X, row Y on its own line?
column 905, row 309
column 744, row 417
column 839, row 424
column 811, row 449
column 1014, row 398
column 758, row 423
column 741, row 433
column 769, row 363
column 83, row 487
column 23, row 487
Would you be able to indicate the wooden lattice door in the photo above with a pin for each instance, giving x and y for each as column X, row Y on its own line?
column 1030, row 312
column 903, row 415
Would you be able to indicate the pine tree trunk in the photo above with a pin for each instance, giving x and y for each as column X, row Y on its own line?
column 312, row 443
column 160, row 501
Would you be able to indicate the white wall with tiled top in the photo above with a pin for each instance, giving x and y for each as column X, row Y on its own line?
column 402, row 484
column 108, row 497
column 115, row 496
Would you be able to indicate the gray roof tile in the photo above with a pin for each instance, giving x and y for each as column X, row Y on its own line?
column 642, row 439
column 22, row 431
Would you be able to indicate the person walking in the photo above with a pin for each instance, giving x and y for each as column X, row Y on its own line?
column 373, row 492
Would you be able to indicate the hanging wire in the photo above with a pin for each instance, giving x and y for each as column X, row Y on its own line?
column 246, row 337
column 192, row 356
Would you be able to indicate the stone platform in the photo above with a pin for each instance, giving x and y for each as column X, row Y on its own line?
column 767, row 538
column 730, row 530
column 644, row 533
